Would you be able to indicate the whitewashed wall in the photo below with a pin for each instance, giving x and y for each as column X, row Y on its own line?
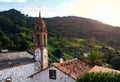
column 19, row 73
column 44, row 76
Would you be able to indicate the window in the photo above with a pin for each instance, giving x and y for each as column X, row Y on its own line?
column 37, row 28
column 44, row 39
column 38, row 39
column 52, row 74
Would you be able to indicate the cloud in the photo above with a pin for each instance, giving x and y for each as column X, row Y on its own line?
column 19, row 0
column 5, row 0
column 32, row 11
column 13, row 0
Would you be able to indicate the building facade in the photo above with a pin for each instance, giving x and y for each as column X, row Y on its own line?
column 66, row 71
column 51, row 74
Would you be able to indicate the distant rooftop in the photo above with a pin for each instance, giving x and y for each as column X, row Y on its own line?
column 14, row 59
column 103, row 69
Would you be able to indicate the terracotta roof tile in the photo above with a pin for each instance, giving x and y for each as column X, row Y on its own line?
column 73, row 67
column 102, row 69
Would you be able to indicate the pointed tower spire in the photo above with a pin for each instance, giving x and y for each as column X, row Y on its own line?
column 39, row 12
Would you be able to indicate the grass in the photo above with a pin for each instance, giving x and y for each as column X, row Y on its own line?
column 97, row 46
column 110, row 48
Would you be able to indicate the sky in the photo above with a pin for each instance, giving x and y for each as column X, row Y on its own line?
column 106, row 11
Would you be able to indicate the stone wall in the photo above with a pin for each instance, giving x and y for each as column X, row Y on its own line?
column 43, row 76
column 18, row 73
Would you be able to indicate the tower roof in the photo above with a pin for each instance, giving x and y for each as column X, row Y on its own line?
column 41, row 24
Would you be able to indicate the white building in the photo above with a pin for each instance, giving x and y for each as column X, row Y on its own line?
column 68, row 71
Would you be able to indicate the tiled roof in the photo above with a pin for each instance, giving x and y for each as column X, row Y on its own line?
column 14, row 59
column 72, row 67
column 102, row 69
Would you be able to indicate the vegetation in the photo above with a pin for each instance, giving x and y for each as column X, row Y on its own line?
column 15, row 35
column 95, row 58
column 68, row 37
column 99, row 77
column 115, row 62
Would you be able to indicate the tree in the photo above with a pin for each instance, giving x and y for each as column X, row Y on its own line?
column 95, row 58
column 115, row 62
column 5, row 42
column 58, row 53
column 6, row 24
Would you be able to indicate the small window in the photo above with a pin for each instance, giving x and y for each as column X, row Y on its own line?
column 37, row 28
column 44, row 39
column 38, row 39
column 38, row 43
column 52, row 74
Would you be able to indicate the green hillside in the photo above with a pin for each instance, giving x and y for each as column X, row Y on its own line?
column 77, row 27
column 68, row 37
column 71, row 27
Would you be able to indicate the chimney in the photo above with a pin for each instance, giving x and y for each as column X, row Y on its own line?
column 61, row 60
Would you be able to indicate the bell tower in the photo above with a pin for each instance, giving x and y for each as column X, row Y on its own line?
column 40, row 44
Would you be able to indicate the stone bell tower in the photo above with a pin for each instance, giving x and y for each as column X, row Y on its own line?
column 40, row 44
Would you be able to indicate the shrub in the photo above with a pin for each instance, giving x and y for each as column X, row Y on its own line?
column 99, row 77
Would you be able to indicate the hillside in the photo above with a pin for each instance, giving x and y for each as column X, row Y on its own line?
column 77, row 27
column 13, row 22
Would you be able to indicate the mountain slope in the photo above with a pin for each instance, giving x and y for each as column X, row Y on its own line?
column 17, row 25
column 78, row 27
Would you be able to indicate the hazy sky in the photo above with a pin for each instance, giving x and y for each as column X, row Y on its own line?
column 107, row 11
